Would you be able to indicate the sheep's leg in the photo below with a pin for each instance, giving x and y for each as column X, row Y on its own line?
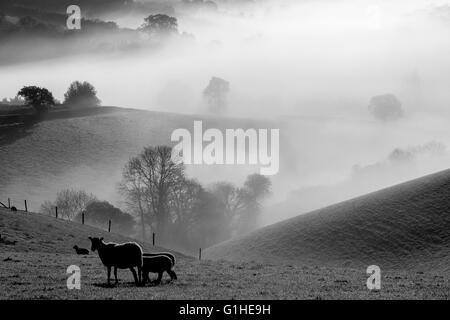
column 145, row 278
column 109, row 274
column 115, row 275
column 134, row 275
column 160, row 274
column 140, row 274
column 172, row 274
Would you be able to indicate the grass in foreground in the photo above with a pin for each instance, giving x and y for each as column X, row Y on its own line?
column 26, row 275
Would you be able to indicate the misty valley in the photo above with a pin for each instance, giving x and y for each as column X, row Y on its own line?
column 236, row 149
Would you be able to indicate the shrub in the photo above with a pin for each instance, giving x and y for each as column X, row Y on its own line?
column 81, row 93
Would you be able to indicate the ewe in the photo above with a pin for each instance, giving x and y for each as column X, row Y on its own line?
column 123, row 256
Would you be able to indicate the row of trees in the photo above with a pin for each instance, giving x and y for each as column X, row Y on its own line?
column 85, row 94
column 180, row 210
column 78, row 94
column 160, row 198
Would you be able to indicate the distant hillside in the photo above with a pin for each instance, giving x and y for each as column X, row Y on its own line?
column 402, row 227
column 86, row 150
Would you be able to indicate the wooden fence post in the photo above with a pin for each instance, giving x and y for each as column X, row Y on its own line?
column 9, row 203
column 82, row 218
column 56, row 212
column 200, row 254
column 26, row 207
column 109, row 226
column 153, row 238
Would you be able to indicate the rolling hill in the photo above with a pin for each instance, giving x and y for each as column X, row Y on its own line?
column 36, row 250
column 404, row 227
column 88, row 150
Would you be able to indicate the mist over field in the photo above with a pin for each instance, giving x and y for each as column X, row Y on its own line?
column 239, row 149
column 310, row 67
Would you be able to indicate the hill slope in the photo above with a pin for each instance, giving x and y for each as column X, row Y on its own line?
column 36, row 250
column 406, row 226
column 35, row 232
column 87, row 151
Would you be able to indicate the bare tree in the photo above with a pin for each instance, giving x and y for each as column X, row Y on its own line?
column 132, row 187
column 70, row 202
column 256, row 188
column 229, row 198
column 155, row 175
column 183, row 200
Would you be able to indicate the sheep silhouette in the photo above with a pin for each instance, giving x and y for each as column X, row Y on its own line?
column 167, row 254
column 13, row 209
column 80, row 250
column 120, row 256
column 157, row 264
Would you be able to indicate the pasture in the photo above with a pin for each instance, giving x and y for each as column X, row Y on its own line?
column 35, row 268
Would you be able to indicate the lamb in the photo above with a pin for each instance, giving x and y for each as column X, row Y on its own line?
column 157, row 264
column 123, row 256
column 81, row 250
column 168, row 254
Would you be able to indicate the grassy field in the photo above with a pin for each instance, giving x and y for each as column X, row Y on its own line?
column 35, row 268
column 404, row 227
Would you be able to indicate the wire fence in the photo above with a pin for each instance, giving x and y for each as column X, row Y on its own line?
column 15, row 204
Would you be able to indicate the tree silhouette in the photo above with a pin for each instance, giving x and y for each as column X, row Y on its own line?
column 216, row 94
column 385, row 107
column 39, row 98
column 160, row 25
column 81, row 93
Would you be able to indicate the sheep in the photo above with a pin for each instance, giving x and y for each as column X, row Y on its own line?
column 123, row 256
column 81, row 250
column 168, row 254
column 157, row 264
column 13, row 209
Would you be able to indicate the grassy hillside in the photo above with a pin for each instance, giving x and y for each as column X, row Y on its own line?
column 402, row 227
column 34, row 267
column 85, row 150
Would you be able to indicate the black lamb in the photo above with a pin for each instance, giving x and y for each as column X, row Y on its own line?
column 157, row 264
column 167, row 254
column 81, row 250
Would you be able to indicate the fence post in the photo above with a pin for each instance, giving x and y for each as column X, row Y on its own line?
column 9, row 203
column 56, row 212
column 153, row 238
column 26, row 207
column 109, row 226
column 82, row 218
column 200, row 254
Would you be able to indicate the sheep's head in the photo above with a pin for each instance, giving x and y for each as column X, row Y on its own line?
column 96, row 243
column 75, row 247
